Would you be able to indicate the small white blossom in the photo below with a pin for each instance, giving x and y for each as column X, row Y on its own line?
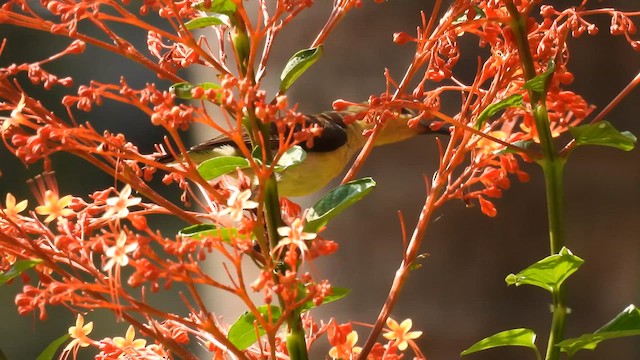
column 119, row 205
column 238, row 202
column 117, row 254
column 295, row 236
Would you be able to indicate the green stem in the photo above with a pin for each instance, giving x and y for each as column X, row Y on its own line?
column 552, row 166
column 260, row 135
column 553, row 170
column 296, row 344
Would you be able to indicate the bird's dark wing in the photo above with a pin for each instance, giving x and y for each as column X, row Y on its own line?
column 334, row 135
column 220, row 140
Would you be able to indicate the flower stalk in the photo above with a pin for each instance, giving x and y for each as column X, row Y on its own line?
column 552, row 167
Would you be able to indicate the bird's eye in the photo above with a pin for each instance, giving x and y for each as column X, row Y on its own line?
column 407, row 111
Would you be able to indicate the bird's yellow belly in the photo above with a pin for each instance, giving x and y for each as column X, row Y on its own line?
column 316, row 171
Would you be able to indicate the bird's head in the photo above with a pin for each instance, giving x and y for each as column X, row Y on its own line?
column 396, row 129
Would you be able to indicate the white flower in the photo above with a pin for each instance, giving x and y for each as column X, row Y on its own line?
column 118, row 254
column 119, row 205
column 295, row 236
column 238, row 202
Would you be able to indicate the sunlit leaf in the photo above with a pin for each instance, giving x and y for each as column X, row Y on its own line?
column 18, row 268
column 336, row 201
column 513, row 337
column 201, row 231
column 221, row 165
column 50, row 351
column 244, row 331
column 183, row 90
column 549, row 272
column 511, row 101
column 627, row 323
column 539, row 82
column 297, row 65
column 337, row 293
column 603, row 133
column 226, row 7
column 206, row 21
column 294, row 156
column 522, row 144
column 477, row 13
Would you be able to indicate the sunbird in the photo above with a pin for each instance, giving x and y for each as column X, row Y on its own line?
column 329, row 154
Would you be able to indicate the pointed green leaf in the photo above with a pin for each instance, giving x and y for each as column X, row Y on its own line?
column 511, row 101
column 336, row 201
column 200, row 231
column 628, row 319
column 603, row 134
column 206, row 21
column 221, row 165
column 539, row 82
column 337, row 293
column 522, row 144
column 416, row 264
column 549, row 272
column 514, row 337
column 242, row 333
column 50, row 351
column 294, row 156
column 226, row 7
column 257, row 154
column 478, row 13
column 18, row 268
column 627, row 323
column 297, row 65
column 182, row 90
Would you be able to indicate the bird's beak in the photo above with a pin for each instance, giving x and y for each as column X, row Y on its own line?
column 424, row 127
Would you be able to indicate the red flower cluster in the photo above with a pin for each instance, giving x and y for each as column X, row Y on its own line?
column 78, row 247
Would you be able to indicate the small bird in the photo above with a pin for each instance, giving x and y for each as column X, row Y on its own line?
column 332, row 150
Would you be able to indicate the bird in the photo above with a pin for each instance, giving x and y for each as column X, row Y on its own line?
column 329, row 153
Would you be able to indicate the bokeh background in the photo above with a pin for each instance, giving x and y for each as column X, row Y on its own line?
column 459, row 296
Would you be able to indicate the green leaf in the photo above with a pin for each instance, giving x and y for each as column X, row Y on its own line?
column 242, row 333
column 51, row 349
column 337, row 293
column 336, row 201
column 478, row 14
column 522, row 144
column 511, row 101
column 539, row 82
column 627, row 323
column 18, row 268
column 256, row 153
column 206, row 21
column 604, row 134
column 514, row 337
column 182, row 90
column 2, row 355
column 221, row 165
column 416, row 264
column 200, row 231
column 226, row 7
column 297, row 65
column 294, row 156
column 549, row 272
